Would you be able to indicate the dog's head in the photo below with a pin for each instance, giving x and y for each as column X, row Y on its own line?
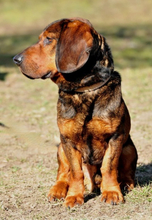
column 65, row 46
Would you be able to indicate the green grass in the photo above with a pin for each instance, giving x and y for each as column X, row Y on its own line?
column 141, row 194
column 127, row 27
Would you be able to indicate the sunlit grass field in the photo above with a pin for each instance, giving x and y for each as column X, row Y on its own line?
column 125, row 24
column 28, row 128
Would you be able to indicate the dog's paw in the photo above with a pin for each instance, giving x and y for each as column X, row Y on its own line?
column 112, row 197
column 58, row 191
column 71, row 201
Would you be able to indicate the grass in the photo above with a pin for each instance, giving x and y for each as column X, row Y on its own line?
column 28, row 128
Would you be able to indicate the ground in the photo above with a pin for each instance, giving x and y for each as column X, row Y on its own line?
column 28, row 129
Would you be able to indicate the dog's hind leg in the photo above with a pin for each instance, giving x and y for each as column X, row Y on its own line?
column 127, row 165
column 59, row 190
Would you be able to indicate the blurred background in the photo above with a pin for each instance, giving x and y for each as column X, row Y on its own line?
column 28, row 127
column 126, row 24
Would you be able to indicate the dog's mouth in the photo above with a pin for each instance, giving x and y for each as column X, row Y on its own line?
column 45, row 76
column 28, row 76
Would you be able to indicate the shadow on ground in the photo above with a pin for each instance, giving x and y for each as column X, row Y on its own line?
column 144, row 174
column 3, row 76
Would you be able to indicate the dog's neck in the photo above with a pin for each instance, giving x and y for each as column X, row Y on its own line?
column 99, row 76
column 84, row 80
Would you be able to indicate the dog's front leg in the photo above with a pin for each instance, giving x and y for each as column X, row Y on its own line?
column 75, row 193
column 59, row 190
column 111, row 192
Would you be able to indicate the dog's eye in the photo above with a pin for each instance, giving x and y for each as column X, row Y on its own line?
column 48, row 40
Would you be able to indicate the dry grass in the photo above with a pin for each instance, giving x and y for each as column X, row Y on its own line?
column 28, row 129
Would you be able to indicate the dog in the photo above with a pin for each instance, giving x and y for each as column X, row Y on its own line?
column 93, row 120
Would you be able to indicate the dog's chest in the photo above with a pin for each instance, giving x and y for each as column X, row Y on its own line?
column 85, row 115
column 85, row 122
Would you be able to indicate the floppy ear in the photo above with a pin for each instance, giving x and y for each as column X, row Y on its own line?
column 73, row 47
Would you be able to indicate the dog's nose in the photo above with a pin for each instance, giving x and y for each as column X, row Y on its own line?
column 18, row 59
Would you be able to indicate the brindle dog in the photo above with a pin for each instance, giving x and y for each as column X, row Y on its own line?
column 93, row 119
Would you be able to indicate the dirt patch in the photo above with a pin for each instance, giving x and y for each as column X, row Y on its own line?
column 28, row 130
